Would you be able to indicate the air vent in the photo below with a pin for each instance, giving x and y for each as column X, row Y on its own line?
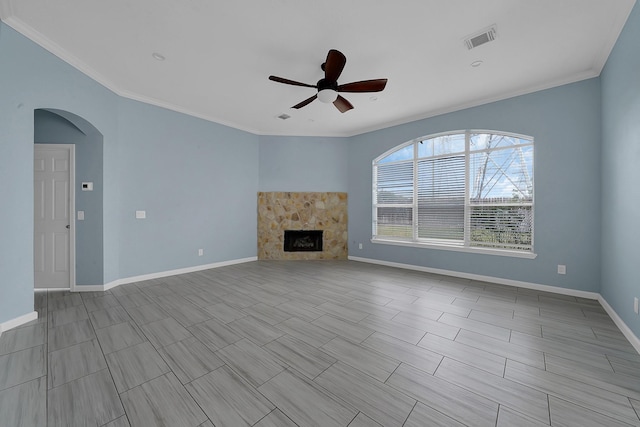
column 480, row 38
column 284, row 116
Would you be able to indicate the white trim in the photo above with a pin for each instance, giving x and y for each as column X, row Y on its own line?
column 474, row 250
column 498, row 280
column 18, row 321
column 72, row 215
column 162, row 274
column 88, row 288
column 626, row 331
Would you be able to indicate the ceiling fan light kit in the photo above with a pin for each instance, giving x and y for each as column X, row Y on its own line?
column 327, row 96
column 328, row 87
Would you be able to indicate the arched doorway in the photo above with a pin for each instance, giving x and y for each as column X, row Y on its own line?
column 58, row 129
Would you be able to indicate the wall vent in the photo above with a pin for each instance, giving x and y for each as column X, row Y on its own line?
column 480, row 38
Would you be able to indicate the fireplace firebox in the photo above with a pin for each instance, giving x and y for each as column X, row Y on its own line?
column 303, row 240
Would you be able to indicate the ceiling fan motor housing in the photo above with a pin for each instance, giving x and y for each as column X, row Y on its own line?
column 326, row 84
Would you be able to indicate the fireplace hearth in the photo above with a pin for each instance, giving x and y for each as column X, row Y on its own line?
column 303, row 240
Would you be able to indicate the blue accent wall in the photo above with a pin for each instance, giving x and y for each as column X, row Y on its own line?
column 621, row 173
column 197, row 182
column 314, row 164
column 565, row 123
column 32, row 78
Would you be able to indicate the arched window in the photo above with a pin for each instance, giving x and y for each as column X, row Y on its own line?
column 468, row 190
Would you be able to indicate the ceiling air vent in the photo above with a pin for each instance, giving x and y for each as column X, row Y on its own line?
column 477, row 39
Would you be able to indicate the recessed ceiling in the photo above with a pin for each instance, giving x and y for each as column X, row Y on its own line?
column 218, row 55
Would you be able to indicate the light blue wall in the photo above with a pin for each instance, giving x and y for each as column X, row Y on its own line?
column 197, row 182
column 290, row 163
column 31, row 78
column 565, row 123
column 50, row 128
column 621, row 173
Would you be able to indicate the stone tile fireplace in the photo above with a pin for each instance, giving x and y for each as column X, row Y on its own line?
column 305, row 218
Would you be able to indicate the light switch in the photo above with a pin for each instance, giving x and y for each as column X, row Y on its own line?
column 87, row 186
column 141, row 214
column 80, row 215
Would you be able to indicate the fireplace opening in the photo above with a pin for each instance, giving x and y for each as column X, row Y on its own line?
column 303, row 240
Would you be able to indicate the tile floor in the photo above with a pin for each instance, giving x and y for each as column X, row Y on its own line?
column 317, row 344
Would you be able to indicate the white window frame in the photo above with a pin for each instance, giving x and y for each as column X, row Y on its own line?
column 458, row 246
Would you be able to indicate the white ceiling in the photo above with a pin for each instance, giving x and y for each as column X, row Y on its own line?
column 219, row 54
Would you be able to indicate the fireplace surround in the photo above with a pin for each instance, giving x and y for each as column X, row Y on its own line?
column 302, row 211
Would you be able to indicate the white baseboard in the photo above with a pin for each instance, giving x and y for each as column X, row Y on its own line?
column 628, row 333
column 168, row 273
column 499, row 280
column 18, row 321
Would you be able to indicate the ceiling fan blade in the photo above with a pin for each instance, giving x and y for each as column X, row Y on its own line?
column 305, row 102
column 289, row 82
column 364, row 86
column 342, row 104
column 334, row 65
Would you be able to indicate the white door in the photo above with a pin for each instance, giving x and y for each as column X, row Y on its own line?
column 54, row 257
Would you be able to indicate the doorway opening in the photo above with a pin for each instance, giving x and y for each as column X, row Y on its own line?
column 84, row 213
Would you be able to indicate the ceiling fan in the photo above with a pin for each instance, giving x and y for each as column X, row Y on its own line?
column 328, row 87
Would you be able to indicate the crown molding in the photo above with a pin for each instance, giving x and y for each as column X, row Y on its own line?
column 57, row 50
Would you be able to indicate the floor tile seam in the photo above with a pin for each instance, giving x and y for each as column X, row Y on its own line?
column 597, row 410
column 108, row 368
column 170, row 371
column 554, row 350
column 25, row 348
column 584, row 346
column 398, row 338
column 631, row 350
column 493, row 398
column 449, row 356
column 481, row 333
column 239, row 373
column 364, row 373
column 334, row 333
column 501, row 354
column 186, row 390
column 637, row 410
column 410, row 363
column 577, row 402
column 597, row 386
column 318, row 387
column 2, row 388
column 358, row 410
column 424, row 402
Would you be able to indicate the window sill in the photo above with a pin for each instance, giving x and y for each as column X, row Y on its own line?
column 483, row 251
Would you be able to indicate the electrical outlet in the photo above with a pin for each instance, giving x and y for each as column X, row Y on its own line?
column 635, row 305
column 562, row 269
column 359, row 245
column 200, row 252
